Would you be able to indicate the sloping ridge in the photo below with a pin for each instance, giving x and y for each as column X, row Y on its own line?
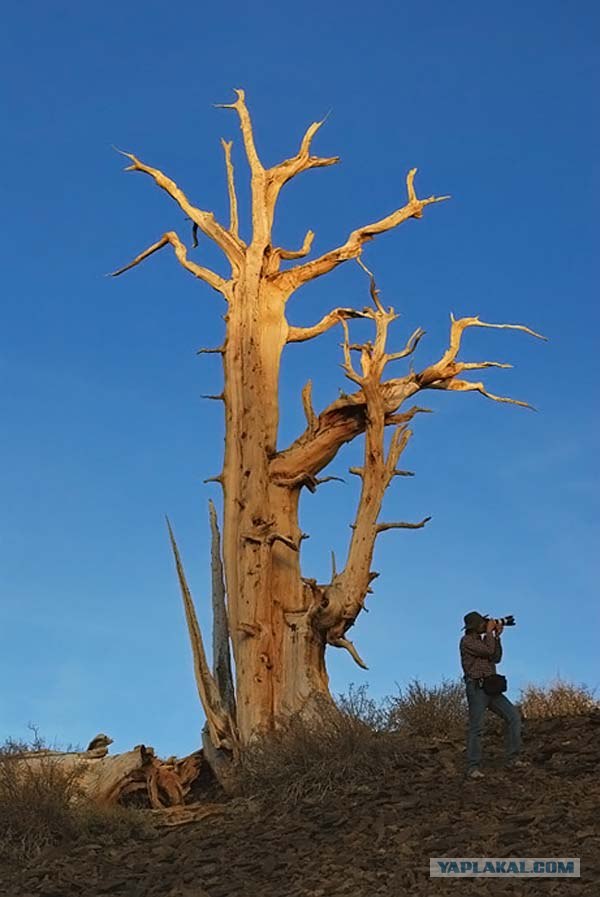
column 371, row 840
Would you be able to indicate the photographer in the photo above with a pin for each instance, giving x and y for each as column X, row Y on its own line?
column 480, row 651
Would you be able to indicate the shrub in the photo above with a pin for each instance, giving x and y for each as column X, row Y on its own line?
column 42, row 805
column 313, row 760
column 428, row 710
column 559, row 698
column 358, row 705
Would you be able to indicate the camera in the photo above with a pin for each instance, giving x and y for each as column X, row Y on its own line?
column 504, row 621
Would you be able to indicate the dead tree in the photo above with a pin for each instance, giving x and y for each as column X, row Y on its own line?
column 108, row 780
column 277, row 621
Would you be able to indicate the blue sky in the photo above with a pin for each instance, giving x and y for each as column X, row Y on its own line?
column 104, row 430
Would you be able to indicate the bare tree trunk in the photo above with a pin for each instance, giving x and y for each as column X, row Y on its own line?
column 255, row 339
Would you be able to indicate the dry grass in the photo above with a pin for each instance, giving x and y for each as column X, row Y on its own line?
column 42, row 806
column 559, row 698
column 313, row 761
column 353, row 743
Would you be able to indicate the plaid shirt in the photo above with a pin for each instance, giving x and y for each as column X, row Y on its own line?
column 479, row 656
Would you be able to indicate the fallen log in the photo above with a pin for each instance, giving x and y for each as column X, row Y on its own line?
column 107, row 780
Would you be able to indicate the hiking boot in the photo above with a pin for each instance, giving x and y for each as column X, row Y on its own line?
column 475, row 774
column 518, row 763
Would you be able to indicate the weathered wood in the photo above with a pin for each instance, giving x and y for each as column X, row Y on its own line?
column 220, row 642
column 108, row 779
column 279, row 622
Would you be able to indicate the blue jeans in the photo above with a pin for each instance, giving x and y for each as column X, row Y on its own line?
column 479, row 702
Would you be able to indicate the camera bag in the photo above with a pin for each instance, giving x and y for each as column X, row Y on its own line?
column 494, row 685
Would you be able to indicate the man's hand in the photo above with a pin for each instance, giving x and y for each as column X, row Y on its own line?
column 499, row 629
column 490, row 626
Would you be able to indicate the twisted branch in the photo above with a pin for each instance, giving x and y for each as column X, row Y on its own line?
column 342, row 642
column 289, row 254
column 383, row 527
column 295, row 277
column 303, row 160
column 348, row 589
column 205, row 274
column 336, row 316
column 443, row 374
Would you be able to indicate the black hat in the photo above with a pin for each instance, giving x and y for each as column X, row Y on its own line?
column 474, row 619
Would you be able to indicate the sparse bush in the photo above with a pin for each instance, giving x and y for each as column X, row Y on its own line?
column 316, row 759
column 556, row 699
column 42, row 805
column 358, row 705
column 428, row 710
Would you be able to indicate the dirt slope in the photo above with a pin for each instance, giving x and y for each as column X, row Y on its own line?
column 373, row 840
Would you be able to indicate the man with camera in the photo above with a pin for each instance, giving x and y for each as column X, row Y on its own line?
column 480, row 651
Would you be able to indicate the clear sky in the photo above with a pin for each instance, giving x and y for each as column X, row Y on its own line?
column 104, row 430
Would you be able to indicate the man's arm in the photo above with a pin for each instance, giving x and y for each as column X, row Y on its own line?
column 497, row 656
column 486, row 647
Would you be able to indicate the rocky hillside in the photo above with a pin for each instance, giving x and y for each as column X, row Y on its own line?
column 372, row 839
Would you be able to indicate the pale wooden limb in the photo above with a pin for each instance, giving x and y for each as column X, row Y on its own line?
column 406, row 416
column 290, row 254
column 206, row 221
column 345, row 596
column 301, row 479
column 256, row 166
column 342, row 642
column 412, row 343
column 347, row 365
column 205, row 274
column 399, row 442
column 458, row 327
column 309, row 411
column 221, row 654
column 295, row 277
column 217, row 350
column 372, row 286
column 466, row 386
column 383, row 527
column 301, row 334
column 303, row 160
column 480, row 365
column 219, row 722
column 285, row 540
column 305, row 479
column 443, row 374
column 341, row 422
column 259, row 257
column 233, row 204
